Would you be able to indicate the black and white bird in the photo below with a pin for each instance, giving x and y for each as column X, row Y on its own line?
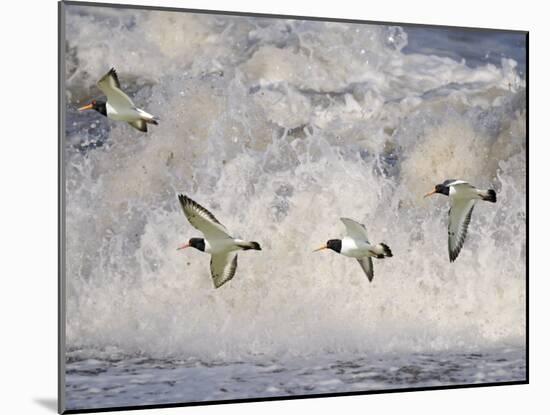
column 356, row 245
column 119, row 106
column 217, row 241
column 463, row 197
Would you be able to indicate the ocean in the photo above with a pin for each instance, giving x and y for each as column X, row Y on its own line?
column 280, row 127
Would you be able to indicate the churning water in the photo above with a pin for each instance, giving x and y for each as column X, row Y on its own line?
column 280, row 127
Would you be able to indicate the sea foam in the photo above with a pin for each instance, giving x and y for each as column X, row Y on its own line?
column 281, row 127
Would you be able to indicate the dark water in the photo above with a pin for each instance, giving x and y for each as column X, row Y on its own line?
column 128, row 381
column 476, row 47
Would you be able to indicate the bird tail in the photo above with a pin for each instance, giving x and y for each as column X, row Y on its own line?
column 245, row 245
column 382, row 250
column 489, row 195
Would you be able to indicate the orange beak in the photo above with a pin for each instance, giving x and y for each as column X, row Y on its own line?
column 86, row 107
column 319, row 249
column 433, row 192
column 183, row 247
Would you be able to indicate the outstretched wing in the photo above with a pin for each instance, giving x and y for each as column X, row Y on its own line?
column 355, row 230
column 454, row 182
column 141, row 125
column 459, row 219
column 223, row 267
column 366, row 265
column 202, row 219
column 110, row 86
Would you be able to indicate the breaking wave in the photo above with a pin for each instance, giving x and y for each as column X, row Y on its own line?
column 280, row 127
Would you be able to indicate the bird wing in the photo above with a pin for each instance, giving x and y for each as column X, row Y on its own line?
column 366, row 265
column 459, row 219
column 223, row 267
column 140, row 124
column 110, row 86
column 355, row 230
column 454, row 182
column 202, row 219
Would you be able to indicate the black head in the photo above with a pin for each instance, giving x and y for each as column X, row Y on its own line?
column 99, row 106
column 439, row 188
column 334, row 244
column 197, row 243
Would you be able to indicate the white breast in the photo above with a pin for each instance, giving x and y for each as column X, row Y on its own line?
column 216, row 246
column 354, row 248
column 122, row 114
column 463, row 191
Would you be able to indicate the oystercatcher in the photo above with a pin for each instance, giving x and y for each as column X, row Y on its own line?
column 356, row 245
column 217, row 241
column 463, row 198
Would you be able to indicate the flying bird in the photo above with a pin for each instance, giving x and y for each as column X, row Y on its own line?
column 217, row 241
column 356, row 245
column 119, row 106
column 463, row 197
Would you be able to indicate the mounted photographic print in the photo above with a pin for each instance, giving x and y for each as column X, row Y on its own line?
column 259, row 207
